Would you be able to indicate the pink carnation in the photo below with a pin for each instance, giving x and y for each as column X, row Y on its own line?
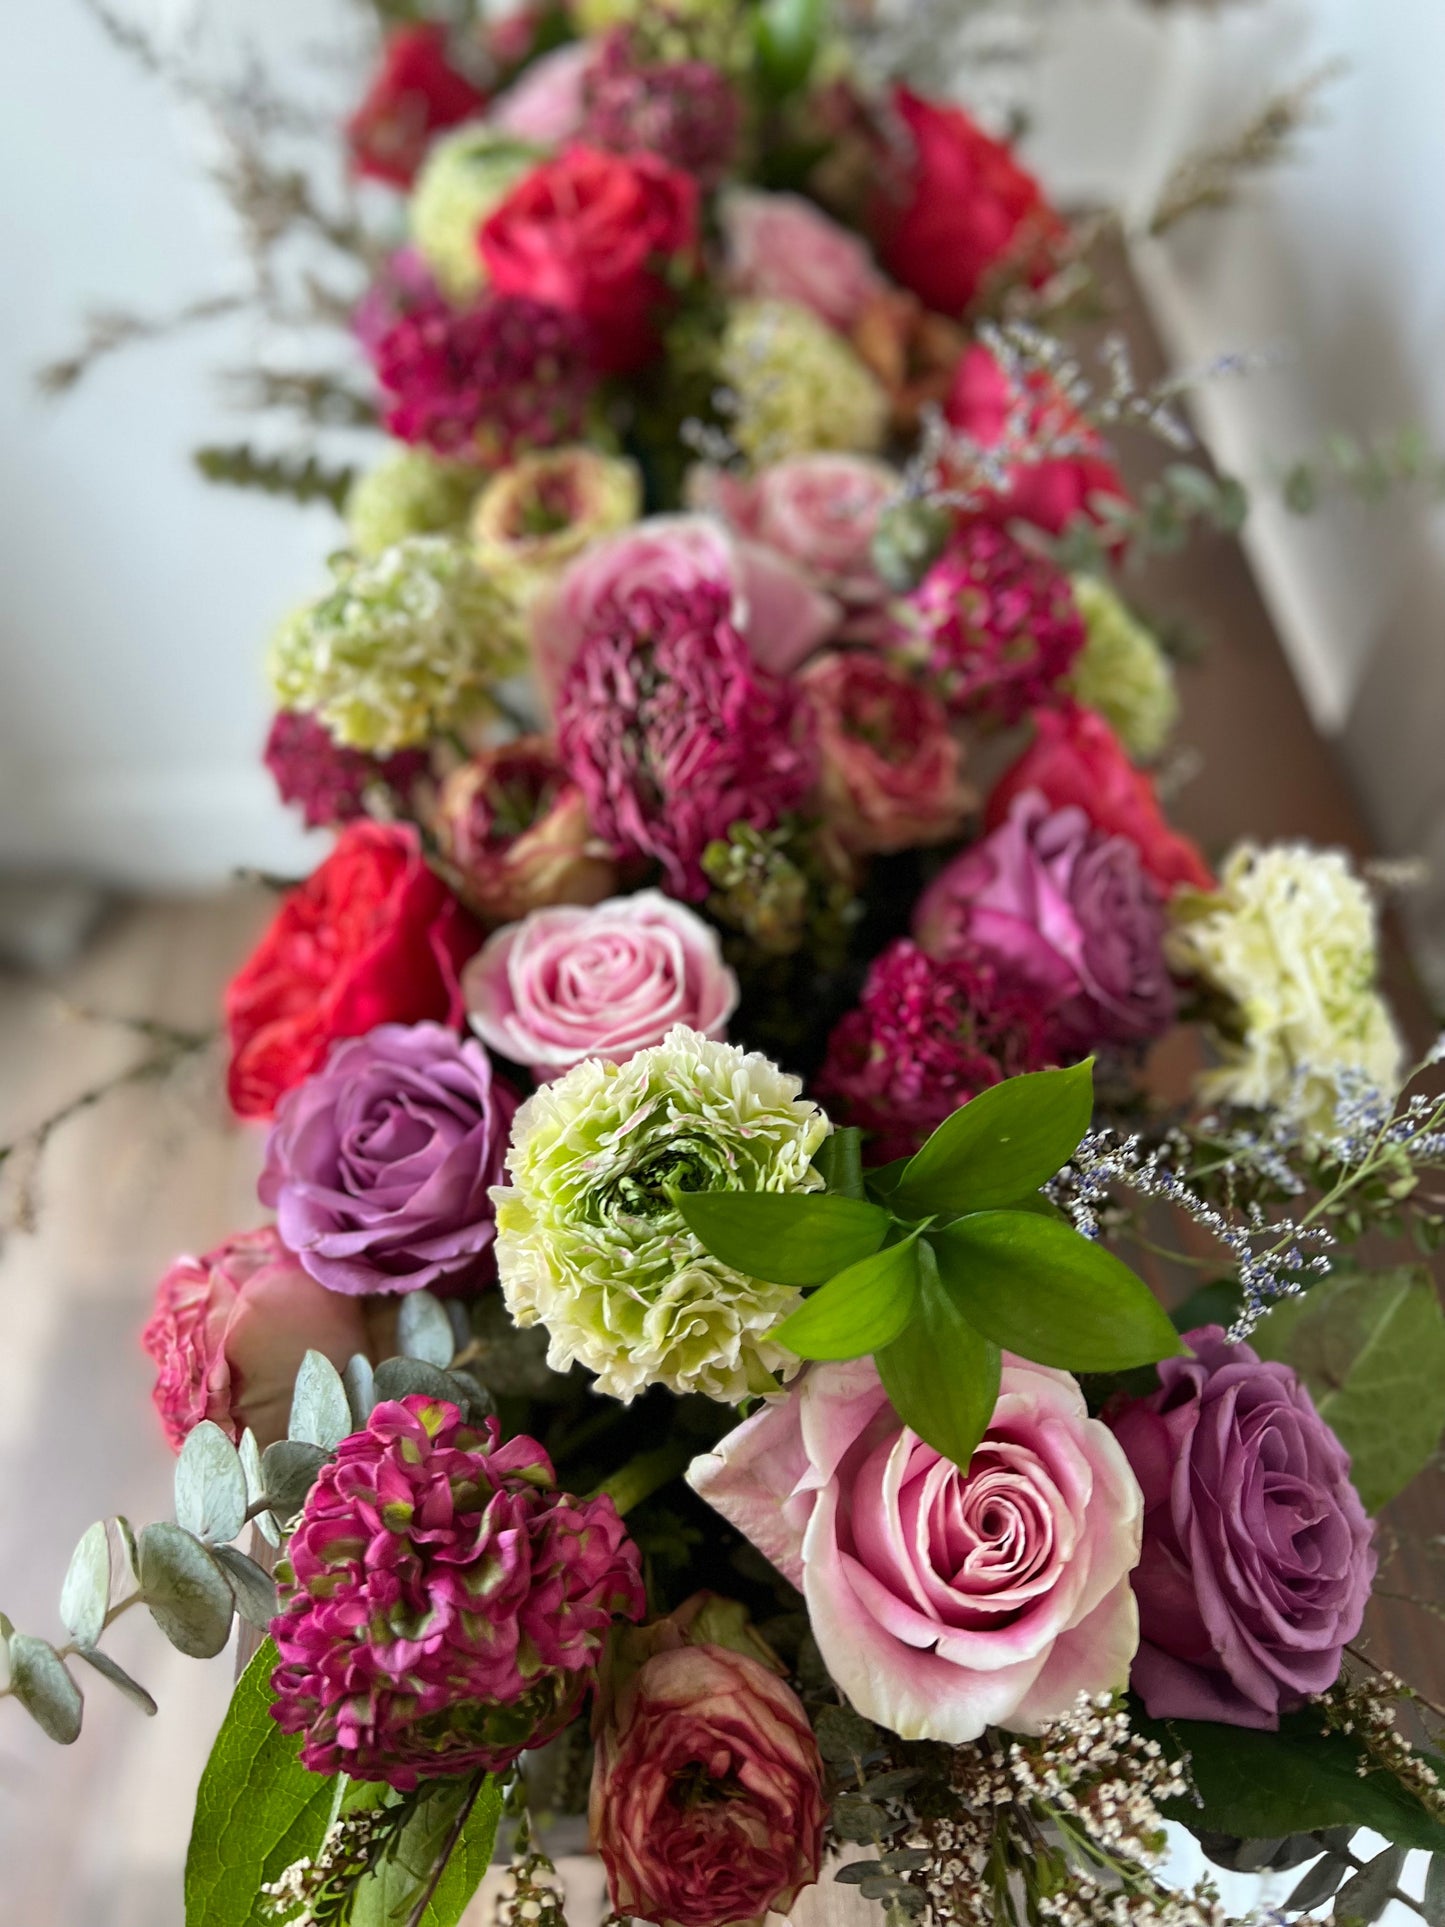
column 673, row 734
column 326, row 782
column 780, row 247
column 446, row 1605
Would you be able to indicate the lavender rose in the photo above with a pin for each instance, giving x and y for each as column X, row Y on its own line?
column 1257, row 1558
column 379, row 1166
column 1066, row 910
column 567, row 984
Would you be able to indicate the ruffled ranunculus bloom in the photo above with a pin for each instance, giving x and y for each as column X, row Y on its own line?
column 514, row 828
column 673, row 734
column 229, row 1331
column 968, row 215
column 685, row 111
column 1076, row 759
column 890, row 770
column 565, row 984
column 928, row 1033
column 596, row 235
column 543, row 105
column 1258, row 1557
column 537, row 516
column 781, row 247
column 944, row 1601
column 327, row 783
column 796, row 385
column 415, row 95
column 1122, row 672
column 774, row 605
column 371, row 937
column 820, row 513
column 379, row 1167
column 591, row 1244
column 467, row 174
column 444, row 1606
column 995, row 628
column 1066, row 910
column 707, row 1801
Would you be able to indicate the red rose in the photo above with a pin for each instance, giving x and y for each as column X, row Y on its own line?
column 1076, row 758
column 968, row 208
column 1049, row 493
column 416, row 93
column 371, row 937
column 594, row 234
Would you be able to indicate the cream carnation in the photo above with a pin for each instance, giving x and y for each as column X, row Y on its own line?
column 590, row 1245
column 1290, row 939
column 409, row 492
column 798, row 386
column 1122, row 672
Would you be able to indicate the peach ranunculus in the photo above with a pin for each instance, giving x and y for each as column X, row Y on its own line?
column 944, row 1601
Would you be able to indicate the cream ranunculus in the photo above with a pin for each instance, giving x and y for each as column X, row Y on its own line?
column 536, row 516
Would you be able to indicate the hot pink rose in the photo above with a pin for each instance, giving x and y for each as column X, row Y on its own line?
column 942, row 1601
column 781, row 247
column 818, row 511
column 229, row 1331
column 545, row 104
column 566, row 984
column 775, row 608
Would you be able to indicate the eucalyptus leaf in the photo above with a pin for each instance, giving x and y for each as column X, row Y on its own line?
column 252, row 1587
column 941, row 1373
column 424, row 1331
column 42, row 1685
column 249, row 1453
column 1318, row 1885
column 1001, row 1145
column 360, row 1382
column 320, row 1410
column 85, row 1594
column 1433, row 1901
column 839, row 1162
column 1365, row 1896
column 119, row 1678
column 1037, row 1287
column 861, row 1310
column 210, row 1485
column 125, row 1543
column 289, row 1469
column 784, row 1237
column 414, row 1378
column 185, row 1591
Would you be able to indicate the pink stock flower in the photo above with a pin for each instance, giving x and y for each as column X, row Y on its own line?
column 326, row 782
column 780, row 247
column 445, row 1606
column 673, row 735
column 774, row 606
column 567, row 984
column 944, row 1601
column 229, row 1332
column 686, row 111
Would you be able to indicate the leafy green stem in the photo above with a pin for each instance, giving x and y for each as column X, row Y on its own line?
column 646, row 1474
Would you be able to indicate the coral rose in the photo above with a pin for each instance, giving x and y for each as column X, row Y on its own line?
column 944, row 1601
column 1257, row 1557
column 567, row 984
column 229, row 1332
column 372, row 936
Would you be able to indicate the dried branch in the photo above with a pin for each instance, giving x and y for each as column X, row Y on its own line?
column 304, row 478
column 110, row 329
column 314, row 394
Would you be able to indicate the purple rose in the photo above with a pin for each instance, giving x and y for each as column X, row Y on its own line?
column 1068, row 911
column 1257, row 1554
column 379, row 1166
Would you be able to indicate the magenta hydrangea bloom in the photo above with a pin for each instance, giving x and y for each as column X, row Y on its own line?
column 444, row 1606
column 674, row 734
column 327, row 783
column 994, row 625
column 686, row 111
column 484, row 383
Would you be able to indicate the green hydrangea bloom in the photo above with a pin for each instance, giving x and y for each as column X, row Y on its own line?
column 1122, row 672
column 590, row 1245
column 403, row 646
column 408, row 493
column 798, row 386
column 466, row 175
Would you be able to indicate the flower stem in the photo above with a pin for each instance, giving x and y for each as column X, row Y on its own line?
column 646, row 1474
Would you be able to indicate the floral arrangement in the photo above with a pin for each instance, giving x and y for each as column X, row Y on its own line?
column 699, row 1371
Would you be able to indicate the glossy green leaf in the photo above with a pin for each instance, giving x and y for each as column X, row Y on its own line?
column 320, row 1410
column 185, row 1591
column 839, row 1162
column 210, row 1485
column 1037, row 1287
column 120, row 1679
column 388, row 1897
column 1001, row 1145
column 861, row 1310
column 785, row 1237
column 941, row 1373
column 424, row 1331
column 85, row 1594
column 788, row 35
column 44, row 1688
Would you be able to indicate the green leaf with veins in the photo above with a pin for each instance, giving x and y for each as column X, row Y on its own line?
column 941, row 1373
column 860, row 1310
column 1000, row 1146
column 784, row 1237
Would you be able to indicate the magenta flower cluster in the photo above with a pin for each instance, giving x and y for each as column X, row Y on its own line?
column 445, row 1605
column 327, row 783
column 686, row 111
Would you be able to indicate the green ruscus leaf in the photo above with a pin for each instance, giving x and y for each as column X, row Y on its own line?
column 785, row 1237
column 839, row 1162
column 185, row 1591
column 1037, row 1287
column 941, row 1373
column 1002, row 1145
column 860, row 1310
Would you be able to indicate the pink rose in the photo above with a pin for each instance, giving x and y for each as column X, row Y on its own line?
column 781, row 247
column 545, row 104
column 779, row 613
column 890, row 769
column 943, row 1601
column 566, row 984
column 229, row 1331
column 820, row 512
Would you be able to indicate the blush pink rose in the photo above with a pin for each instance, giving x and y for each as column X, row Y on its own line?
column 546, row 103
column 567, row 984
column 780, row 247
column 943, row 1601
column 230, row 1330
column 775, row 608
